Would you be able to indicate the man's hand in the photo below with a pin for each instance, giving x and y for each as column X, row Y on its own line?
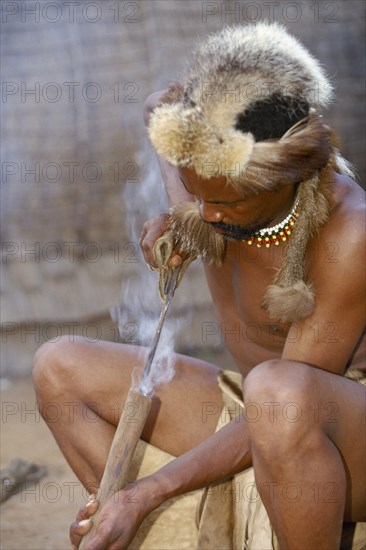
column 118, row 522
column 153, row 230
column 81, row 526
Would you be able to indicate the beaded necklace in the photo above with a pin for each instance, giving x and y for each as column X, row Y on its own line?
column 276, row 234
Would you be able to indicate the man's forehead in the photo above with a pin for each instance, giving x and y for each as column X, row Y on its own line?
column 215, row 184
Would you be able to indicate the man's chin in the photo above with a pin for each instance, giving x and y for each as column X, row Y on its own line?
column 227, row 234
column 231, row 237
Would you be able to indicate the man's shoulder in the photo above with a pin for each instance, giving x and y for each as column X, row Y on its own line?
column 349, row 196
column 346, row 224
column 338, row 250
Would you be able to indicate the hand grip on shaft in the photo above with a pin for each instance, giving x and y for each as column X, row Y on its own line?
column 162, row 250
column 129, row 429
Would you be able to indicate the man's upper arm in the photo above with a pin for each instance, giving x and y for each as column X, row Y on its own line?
column 328, row 338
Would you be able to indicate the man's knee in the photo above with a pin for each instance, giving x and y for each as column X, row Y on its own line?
column 278, row 397
column 280, row 381
column 52, row 363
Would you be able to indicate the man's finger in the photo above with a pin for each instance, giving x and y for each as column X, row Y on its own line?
column 78, row 529
column 88, row 510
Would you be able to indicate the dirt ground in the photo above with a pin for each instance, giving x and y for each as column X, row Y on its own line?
column 38, row 517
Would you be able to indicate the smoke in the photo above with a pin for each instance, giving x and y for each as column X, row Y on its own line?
column 140, row 305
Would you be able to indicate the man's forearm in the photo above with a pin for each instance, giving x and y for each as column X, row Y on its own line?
column 173, row 186
column 172, row 182
column 222, row 455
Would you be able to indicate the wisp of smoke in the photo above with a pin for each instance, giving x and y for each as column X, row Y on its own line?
column 140, row 305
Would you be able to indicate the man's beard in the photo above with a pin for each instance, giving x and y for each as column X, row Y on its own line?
column 235, row 232
column 198, row 238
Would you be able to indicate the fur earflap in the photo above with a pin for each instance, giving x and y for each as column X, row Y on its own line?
column 295, row 157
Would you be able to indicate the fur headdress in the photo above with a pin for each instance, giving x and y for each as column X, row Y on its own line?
column 248, row 110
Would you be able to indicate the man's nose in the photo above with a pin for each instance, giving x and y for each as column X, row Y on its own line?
column 211, row 212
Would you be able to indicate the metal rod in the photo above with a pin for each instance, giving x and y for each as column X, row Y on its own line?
column 170, row 289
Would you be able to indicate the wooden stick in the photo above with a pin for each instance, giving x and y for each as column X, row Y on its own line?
column 129, row 429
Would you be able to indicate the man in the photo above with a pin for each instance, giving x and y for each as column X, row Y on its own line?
column 258, row 191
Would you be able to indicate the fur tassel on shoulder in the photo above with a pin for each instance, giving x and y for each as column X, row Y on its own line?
column 290, row 303
column 290, row 298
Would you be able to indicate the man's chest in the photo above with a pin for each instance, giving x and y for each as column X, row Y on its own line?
column 237, row 289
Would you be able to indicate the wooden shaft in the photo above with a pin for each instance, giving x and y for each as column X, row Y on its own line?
column 129, row 429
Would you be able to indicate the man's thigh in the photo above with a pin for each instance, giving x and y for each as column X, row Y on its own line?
column 101, row 376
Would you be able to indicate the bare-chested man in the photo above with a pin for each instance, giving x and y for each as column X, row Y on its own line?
column 289, row 260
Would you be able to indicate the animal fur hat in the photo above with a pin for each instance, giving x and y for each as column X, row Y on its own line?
column 248, row 110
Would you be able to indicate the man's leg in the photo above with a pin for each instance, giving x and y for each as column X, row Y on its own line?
column 307, row 429
column 88, row 383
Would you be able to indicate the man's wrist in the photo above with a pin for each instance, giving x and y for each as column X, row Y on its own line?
column 149, row 492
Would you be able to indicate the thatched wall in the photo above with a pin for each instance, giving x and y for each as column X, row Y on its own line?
column 74, row 83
